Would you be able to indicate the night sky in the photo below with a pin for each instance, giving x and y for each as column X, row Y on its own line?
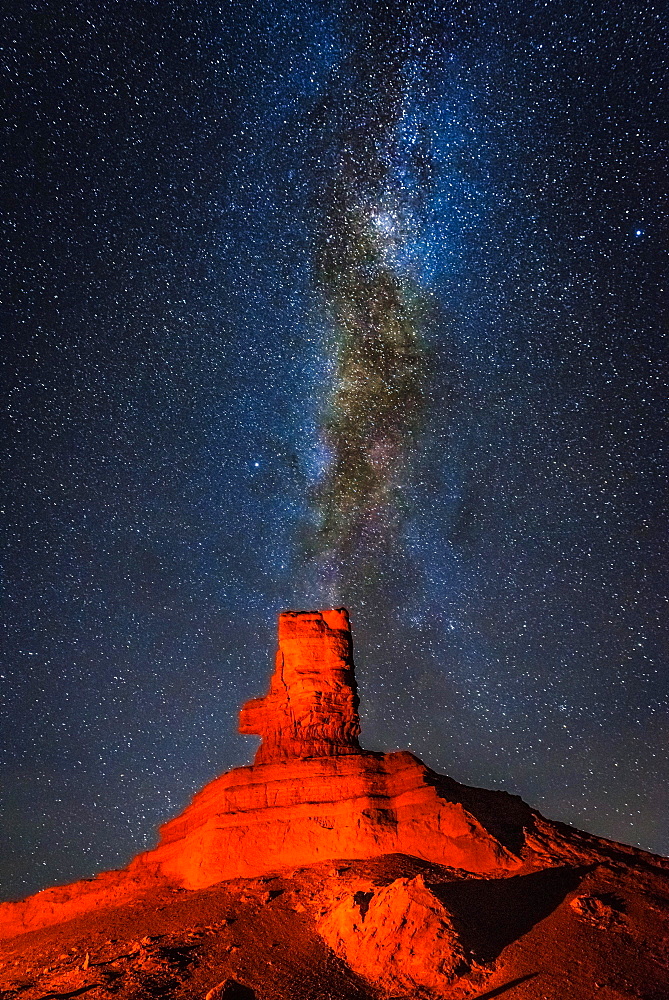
column 313, row 302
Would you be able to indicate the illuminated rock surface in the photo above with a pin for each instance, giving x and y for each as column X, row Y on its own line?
column 323, row 870
column 398, row 936
column 311, row 709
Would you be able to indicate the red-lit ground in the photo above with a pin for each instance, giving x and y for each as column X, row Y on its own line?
column 564, row 933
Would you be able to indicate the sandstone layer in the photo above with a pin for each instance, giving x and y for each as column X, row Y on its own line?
column 274, row 816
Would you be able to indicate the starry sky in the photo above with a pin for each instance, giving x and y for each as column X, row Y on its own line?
column 318, row 302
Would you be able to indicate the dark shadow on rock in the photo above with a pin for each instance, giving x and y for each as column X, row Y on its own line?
column 72, row 993
column 230, row 989
column 240, row 992
column 504, row 987
column 503, row 815
column 491, row 913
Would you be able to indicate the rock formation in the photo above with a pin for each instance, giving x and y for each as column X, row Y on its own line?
column 399, row 936
column 312, row 793
column 326, row 870
column 311, row 709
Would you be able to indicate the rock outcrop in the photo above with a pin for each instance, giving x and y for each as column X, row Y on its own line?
column 311, row 709
column 398, row 937
column 312, row 792
column 269, row 817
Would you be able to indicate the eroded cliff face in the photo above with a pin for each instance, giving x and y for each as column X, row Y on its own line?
column 311, row 709
column 272, row 816
column 400, row 936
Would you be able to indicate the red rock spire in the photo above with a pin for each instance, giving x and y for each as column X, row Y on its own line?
column 311, row 709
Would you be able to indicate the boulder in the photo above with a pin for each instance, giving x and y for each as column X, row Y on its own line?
column 399, row 937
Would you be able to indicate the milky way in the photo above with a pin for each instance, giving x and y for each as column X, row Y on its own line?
column 369, row 198
column 312, row 302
